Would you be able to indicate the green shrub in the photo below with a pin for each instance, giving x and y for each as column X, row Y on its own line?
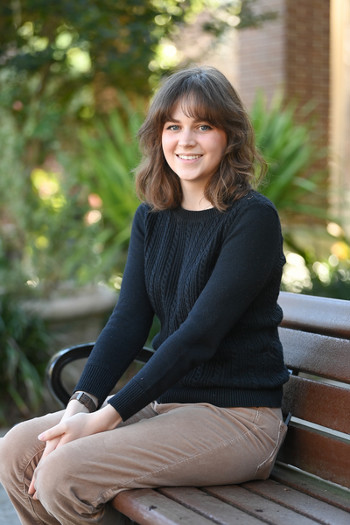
column 291, row 152
column 110, row 153
column 298, row 188
column 24, row 344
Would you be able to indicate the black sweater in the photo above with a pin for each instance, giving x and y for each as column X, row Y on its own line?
column 213, row 280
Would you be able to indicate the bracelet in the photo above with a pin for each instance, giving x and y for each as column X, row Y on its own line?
column 85, row 400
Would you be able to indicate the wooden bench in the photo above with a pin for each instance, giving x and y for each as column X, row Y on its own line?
column 310, row 482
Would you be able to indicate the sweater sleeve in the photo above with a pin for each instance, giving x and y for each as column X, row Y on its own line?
column 128, row 327
column 248, row 256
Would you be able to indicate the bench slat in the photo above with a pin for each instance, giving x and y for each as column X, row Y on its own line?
column 317, row 354
column 312, row 486
column 148, row 507
column 209, row 506
column 318, row 402
column 316, row 314
column 310, row 450
column 258, row 506
column 295, row 500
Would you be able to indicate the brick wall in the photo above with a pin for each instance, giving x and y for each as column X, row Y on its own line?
column 261, row 54
column 307, row 57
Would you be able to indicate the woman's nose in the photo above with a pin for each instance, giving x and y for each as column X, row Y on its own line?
column 187, row 138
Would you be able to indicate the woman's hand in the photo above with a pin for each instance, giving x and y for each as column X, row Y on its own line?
column 75, row 425
column 81, row 425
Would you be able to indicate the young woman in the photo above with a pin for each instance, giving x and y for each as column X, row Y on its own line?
column 206, row 257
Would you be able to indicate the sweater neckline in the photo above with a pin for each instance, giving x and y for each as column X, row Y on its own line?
column 195, row 216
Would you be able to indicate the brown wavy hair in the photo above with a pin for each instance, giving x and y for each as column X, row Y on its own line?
column 206, row 95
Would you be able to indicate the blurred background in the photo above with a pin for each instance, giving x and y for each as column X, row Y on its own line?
column 75, row 82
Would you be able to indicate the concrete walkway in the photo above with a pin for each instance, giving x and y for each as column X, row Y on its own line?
column 8, row 515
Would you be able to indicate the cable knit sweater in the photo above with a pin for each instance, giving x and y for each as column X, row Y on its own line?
column 213, row 280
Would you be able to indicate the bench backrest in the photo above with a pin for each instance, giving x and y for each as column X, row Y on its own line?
column 315, row 334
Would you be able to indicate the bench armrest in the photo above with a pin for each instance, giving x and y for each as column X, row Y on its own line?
column 66, row 356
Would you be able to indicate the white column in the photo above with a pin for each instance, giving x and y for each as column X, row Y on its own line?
column 340, row 112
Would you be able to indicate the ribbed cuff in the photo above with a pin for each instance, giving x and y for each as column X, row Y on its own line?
column 129, row 400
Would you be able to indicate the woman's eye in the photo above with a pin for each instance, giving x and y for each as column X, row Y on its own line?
column 173, row 127
column 205, row 127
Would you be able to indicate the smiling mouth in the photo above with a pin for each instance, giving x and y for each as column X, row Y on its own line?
column 189, row 157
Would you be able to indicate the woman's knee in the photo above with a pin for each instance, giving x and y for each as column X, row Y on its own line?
column 51, row 480
column 58, row 484
column 48, row 476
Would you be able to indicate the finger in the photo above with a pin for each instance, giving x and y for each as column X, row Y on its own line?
column 50, row 446
column 52, row 433
column 31, row 489
column 64, row 439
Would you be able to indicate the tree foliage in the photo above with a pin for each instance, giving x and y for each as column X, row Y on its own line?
column 103, row 42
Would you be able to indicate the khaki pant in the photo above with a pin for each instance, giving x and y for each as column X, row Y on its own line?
column 163, row 445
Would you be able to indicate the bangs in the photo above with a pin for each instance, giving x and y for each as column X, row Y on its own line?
column 197, row 105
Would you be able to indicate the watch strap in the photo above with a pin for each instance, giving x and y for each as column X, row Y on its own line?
column 85, row 400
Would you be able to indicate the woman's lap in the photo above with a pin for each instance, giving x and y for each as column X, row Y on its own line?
column 182, row 445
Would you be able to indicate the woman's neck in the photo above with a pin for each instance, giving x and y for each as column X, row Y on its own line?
column 195, row 201
column 195, row 205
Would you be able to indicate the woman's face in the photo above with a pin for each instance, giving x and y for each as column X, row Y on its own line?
column 192, row 148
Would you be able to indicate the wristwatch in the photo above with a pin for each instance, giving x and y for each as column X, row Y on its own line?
column 85, row 400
